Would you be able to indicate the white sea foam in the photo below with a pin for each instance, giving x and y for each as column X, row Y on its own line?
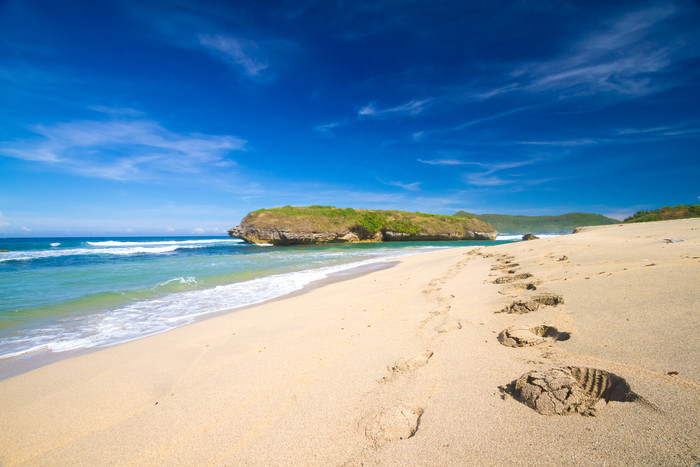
column 148, row 317
column 180, row 280
column 114, row 243
column 55, row 244
column 114, row 248
column 38, row 254
column 509, row 237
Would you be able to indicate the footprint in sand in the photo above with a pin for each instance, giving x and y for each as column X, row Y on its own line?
column 507, row 265
column 441, row 311
column 449, row 325
column 527, row 306
column 512, row 278
column 529, row 336
column 393, row 423
column 412, row 363
column 528, row 286
column 573, row 389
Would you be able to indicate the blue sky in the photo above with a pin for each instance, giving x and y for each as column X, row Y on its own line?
column 179, row 117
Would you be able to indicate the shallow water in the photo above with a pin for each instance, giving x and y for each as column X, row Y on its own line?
column 61, row 294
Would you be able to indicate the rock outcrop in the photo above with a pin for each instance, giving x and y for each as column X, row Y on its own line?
column 285, row 236
column 282, row 236
column 326, row 224
column 389, row 236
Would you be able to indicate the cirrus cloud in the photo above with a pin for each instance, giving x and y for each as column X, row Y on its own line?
column 123, row 149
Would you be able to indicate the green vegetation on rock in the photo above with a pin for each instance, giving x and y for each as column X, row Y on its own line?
column 371, row 222
column 682, row 211
column 309, row 218
column 564, row 223
column 313, row 224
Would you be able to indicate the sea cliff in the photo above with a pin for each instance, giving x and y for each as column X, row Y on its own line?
column 325, row 224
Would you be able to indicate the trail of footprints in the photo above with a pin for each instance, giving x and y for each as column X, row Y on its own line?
column 401, row 421
column 560, row 391
column 555, row 391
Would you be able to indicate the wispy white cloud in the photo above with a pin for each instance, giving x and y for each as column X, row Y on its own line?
column 680, row 129
column 224, row 31
column 626, row 136
column 413, row 107
column 490, row 167
column 485, row 180
column 326, row 129
column 490, row 176
column 414, row 186
column 629, row 56
column 563, row 143
column 419, row 136
column 620, row 58
column 242, row 53
column 683, row 130
column 123, row 149
column 446, row 162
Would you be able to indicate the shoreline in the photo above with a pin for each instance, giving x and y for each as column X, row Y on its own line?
column 15, row 366
column 158, row 310
column 401, row 365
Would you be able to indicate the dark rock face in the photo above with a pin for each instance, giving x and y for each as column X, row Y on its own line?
column 389, row 236
column 530, row 237
column 281, row 236
column 286, row 237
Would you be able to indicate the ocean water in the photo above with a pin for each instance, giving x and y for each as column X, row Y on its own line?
column 62, row 294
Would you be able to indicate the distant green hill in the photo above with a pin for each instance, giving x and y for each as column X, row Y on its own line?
column 682, row 211
column 564, row 223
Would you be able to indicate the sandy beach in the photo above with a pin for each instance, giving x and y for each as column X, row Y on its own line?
column 400, row 366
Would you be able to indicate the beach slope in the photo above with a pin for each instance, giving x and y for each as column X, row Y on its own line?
column 404, row 366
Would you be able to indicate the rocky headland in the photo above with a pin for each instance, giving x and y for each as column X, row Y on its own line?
column 324, row 224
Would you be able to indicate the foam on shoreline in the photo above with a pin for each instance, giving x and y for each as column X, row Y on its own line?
column 153, row 316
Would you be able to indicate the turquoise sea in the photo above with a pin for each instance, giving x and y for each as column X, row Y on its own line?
column 62, row 294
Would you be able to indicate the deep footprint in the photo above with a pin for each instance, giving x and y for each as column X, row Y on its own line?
column 573, row 389
column 501, row 267
column 522, row 306
column 526, row 337
column 512, row 278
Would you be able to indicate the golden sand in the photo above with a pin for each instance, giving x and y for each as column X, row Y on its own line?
column 401, row 366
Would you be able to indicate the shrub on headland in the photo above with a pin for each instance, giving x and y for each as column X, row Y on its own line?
column 370, row 223
column 681, row 211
